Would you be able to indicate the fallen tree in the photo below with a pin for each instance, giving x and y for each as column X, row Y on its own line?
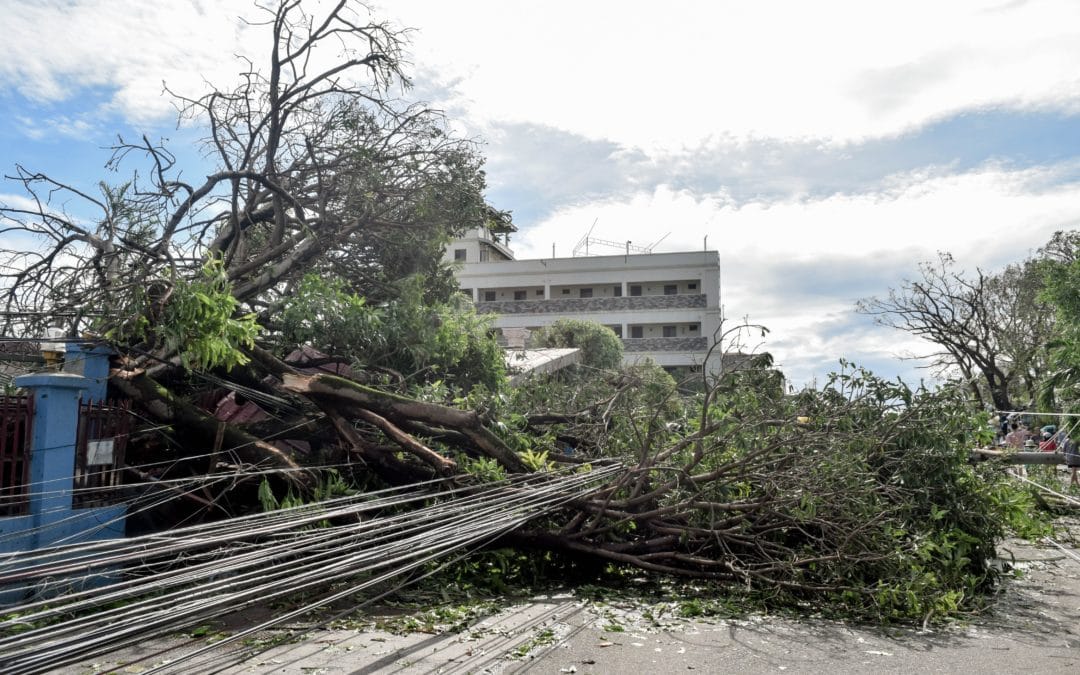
column 323, row 226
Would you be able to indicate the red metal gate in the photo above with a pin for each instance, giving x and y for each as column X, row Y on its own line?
column 16, row 421
column 104, row 428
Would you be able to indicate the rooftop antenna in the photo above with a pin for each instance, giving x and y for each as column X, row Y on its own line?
column 588, row 239
column 584, row 242
column 656, row 243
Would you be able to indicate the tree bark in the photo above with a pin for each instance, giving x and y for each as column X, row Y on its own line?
column 394, row 407
column 166, row 407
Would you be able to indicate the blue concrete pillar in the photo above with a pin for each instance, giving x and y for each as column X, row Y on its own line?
column 90, row 360
column 56, row 422
column 51, row 519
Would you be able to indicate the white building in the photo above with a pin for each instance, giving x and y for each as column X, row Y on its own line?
column 664, row 306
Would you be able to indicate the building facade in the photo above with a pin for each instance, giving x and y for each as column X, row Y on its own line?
column 664, row 306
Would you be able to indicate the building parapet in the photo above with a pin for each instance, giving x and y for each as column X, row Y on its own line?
column 582, row 305
column 662, row 344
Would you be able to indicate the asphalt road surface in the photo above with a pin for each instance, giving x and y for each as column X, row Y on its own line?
column 1034, row 628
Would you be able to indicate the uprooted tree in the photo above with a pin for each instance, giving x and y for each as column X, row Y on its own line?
column 315, row 243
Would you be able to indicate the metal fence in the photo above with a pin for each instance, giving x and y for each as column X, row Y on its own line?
column 16, row 421
column 102, row 438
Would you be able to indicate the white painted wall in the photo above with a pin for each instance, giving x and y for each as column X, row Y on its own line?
column 603, row 273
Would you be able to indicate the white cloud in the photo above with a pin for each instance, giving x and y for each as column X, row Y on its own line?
column 78, row 127
column 977, row 215
column 652, row 75
column 791, row 265
column 638, row 73
column 52, row 50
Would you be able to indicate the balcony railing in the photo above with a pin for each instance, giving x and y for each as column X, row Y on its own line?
column 586, row 305
column 663, row 344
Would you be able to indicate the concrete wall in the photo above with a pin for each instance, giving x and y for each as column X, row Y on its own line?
column 478, row 244
column 662, row 344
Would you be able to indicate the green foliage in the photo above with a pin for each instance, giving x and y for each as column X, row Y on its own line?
column 485, row 469
column 331, row 484
column 447, row 340
column 875, row 493
column 600, row 347
column 323, row 313
column 199, row 321
column 444, row 343
column 634, row 402
column 537, row 461
column 656, row 390
column 1018, row 509
column 437, row 186
column 692, row 608
column 444, row 618
column 267, row 499
column 542, row 638
column 1062, row 291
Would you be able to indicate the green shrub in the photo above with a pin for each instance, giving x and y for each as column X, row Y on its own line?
column 600, row 347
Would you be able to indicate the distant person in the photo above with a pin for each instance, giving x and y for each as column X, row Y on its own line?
column 1016, row 436
column 1048, row 443
column 1015, row 441
column 1072, row 460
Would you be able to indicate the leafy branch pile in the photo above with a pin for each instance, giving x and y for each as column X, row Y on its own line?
column 858, row 495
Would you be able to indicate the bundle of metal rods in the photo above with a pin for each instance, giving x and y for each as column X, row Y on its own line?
column 98, row 597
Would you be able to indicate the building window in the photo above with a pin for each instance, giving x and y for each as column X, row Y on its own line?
column 585, row 293
column 489, row 296
column 671, row 289
column 519, row 295
column 539, row 292
column 459, row 255
column 693, row 328
column 636, row 331
column 691, row 287
column 467, row 291
column 617, row 330
column 635, row 290
column 616, row 291
column 669, row 331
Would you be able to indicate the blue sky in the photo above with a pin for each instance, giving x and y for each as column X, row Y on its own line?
column 824, row 148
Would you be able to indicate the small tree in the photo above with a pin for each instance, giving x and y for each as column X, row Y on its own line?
column 1061, row 276
column 600, row 346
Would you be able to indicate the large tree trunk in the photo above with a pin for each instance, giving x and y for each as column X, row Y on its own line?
column 395, row 408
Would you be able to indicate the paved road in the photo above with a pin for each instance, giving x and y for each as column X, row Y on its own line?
column 1035, row 628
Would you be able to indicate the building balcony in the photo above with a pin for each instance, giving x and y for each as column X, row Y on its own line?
column 662, row 344
column 593, row 305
